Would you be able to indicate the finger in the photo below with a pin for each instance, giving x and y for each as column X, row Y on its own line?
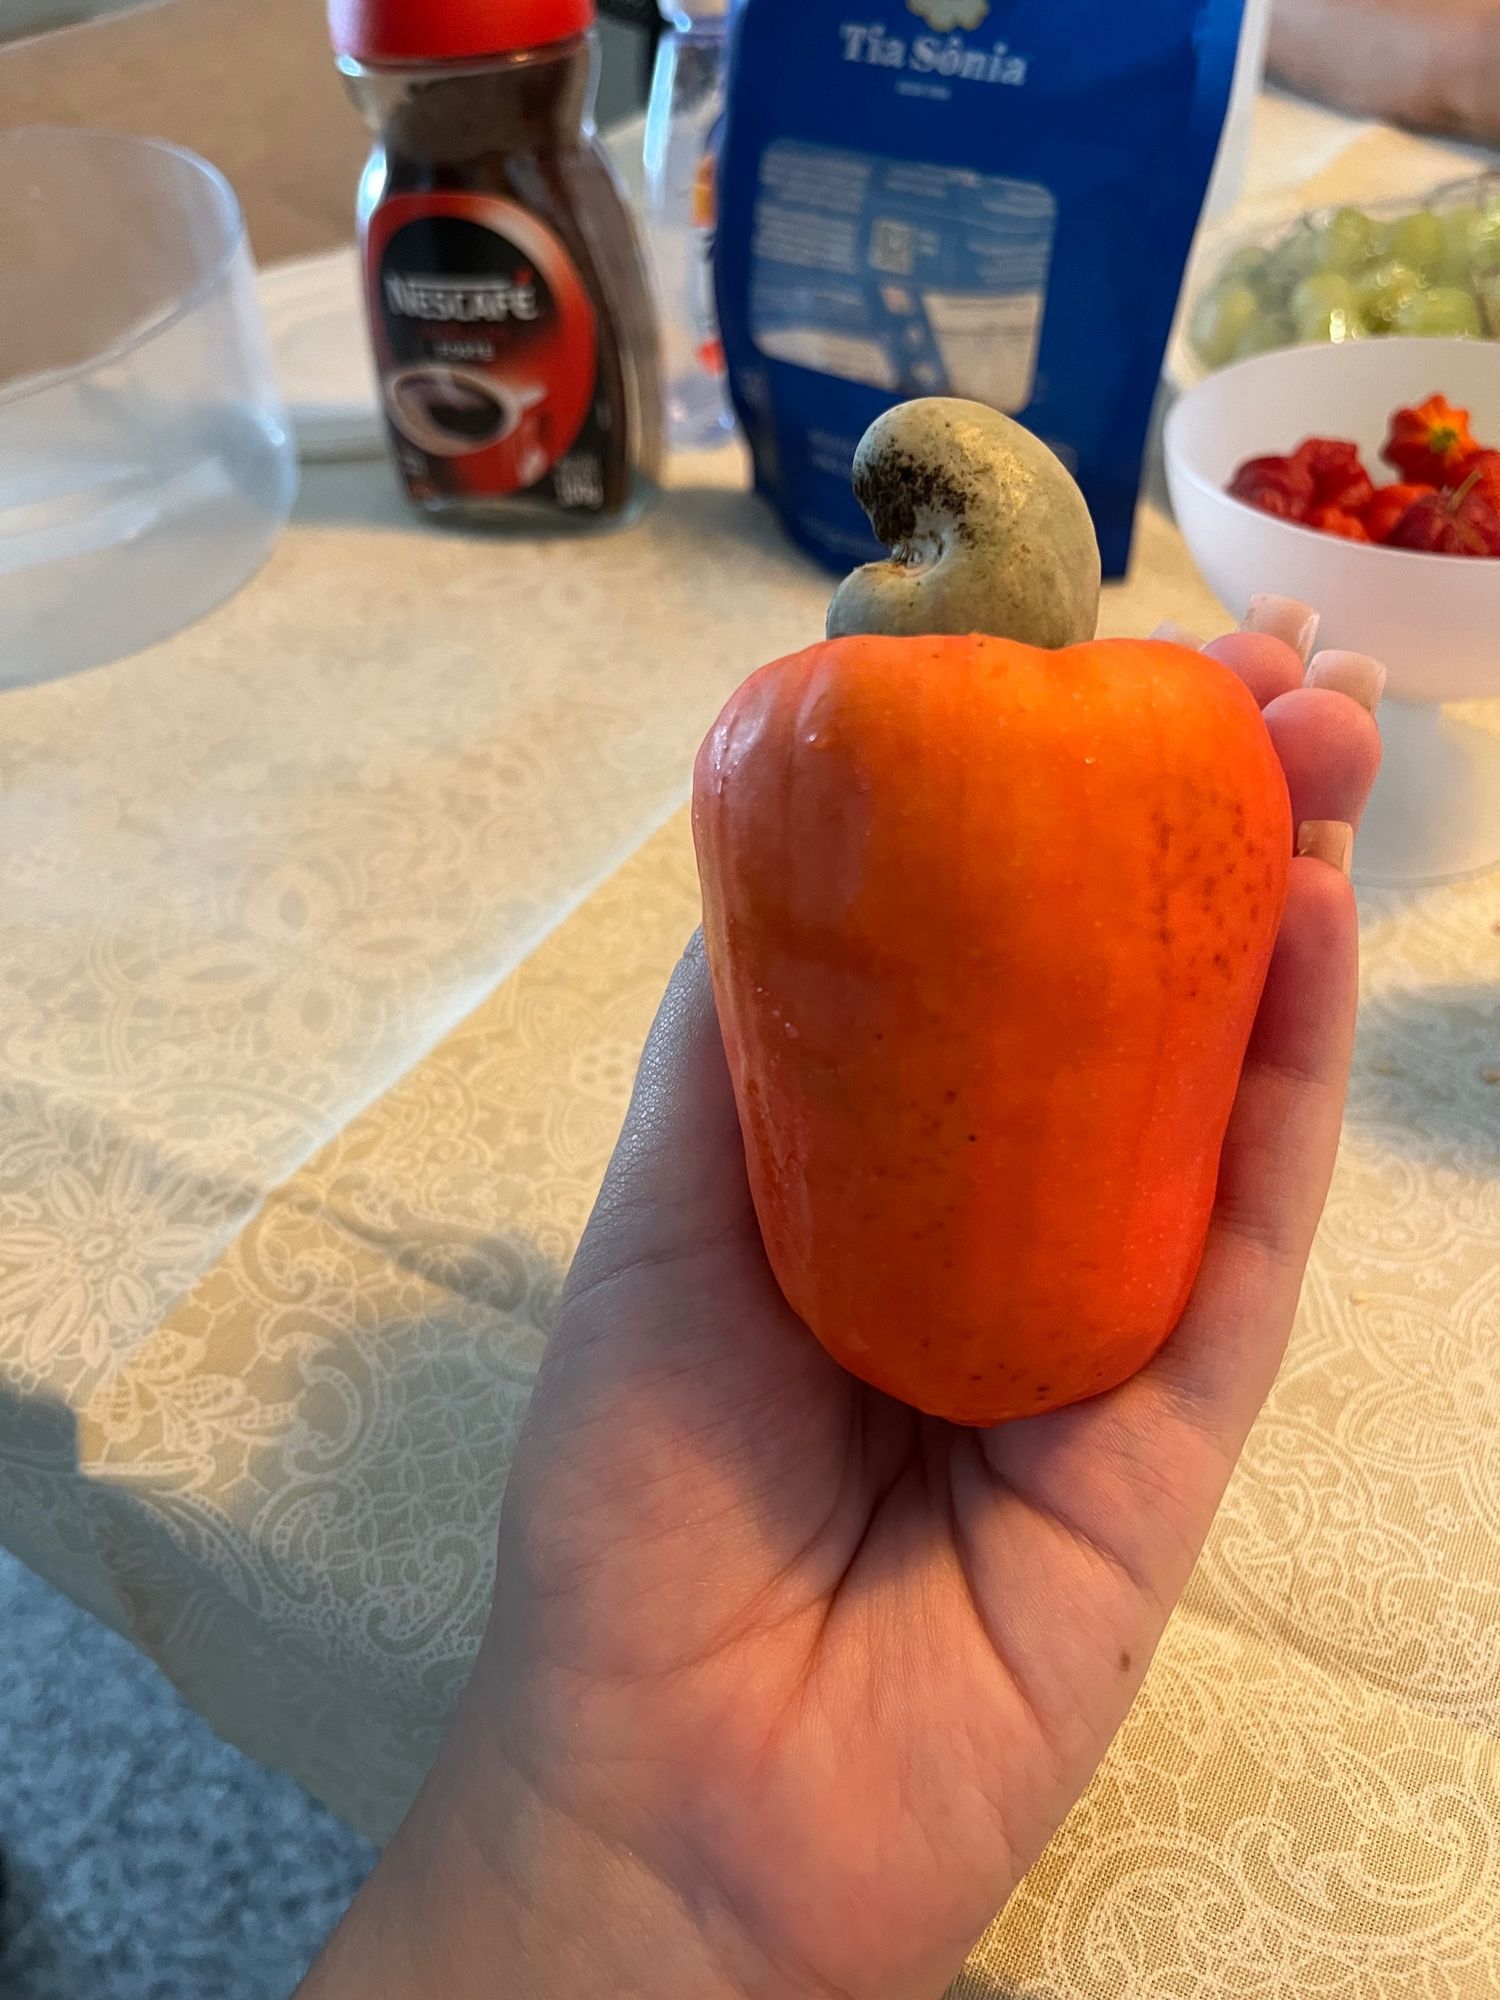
column 670, row 1299
column 1354, row 674
column 1329, row 747
column 679, row 1392
column 1285, row 618
column 1269, row 667
column 1276, row 1165
column 1266, row 663
column 1157, row 1452
column 678, row 1171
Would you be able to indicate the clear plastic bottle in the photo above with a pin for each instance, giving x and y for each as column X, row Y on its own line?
column 687, row 105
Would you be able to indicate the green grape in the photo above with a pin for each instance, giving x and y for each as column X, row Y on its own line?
column 1382, row 240
column 1430, row 271
column 1250, row 266
column 1484, row 240
column 1458, row 225
column 1350, row 239
column 1380, row 292
column 1440, row 309
column 1270, row 330
column 1295, row 257
column 1421, row 242
column 1323, row 308
column 1221, row 318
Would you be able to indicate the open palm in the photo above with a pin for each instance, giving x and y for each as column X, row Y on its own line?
column 827, row 1672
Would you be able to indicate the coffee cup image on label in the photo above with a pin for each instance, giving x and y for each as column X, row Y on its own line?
column 451, row 411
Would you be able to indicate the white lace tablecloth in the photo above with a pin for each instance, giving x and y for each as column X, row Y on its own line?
column 329, row 932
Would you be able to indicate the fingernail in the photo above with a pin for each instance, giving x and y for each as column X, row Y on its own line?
column 1173, row 634
column 1353, row 674
column 1330, row 840
column 1284, row 618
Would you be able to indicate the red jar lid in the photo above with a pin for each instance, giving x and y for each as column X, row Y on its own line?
column 418, row 31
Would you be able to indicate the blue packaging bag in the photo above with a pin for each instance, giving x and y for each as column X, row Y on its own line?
column 984, row 198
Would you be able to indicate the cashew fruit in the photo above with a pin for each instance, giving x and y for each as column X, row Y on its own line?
column 988, row 925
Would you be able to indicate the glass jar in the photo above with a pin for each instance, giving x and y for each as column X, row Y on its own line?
column 514, row 335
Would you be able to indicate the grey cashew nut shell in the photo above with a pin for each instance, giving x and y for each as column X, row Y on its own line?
column 987, row 530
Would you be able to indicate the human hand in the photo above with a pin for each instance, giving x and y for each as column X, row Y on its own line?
column 787, row 1686
column 1430, row 63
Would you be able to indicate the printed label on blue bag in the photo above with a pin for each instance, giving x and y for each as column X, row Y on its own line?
column 991, row 199
column 931, row 64
column 916, row 279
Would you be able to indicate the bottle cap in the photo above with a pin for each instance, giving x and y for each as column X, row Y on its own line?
column 421, row 31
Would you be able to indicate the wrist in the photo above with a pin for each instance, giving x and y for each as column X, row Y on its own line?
column 490, row 1891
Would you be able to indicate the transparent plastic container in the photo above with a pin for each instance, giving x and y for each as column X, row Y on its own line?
column 1228, row 182
column 146, row 464
column 1259, row 266
column 687, row 103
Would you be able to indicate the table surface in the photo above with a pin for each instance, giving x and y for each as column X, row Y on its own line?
column 329, row 933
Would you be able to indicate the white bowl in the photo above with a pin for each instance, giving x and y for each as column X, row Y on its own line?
column 1434, row 620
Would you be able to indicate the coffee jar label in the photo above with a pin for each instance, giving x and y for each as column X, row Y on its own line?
column 486, row 346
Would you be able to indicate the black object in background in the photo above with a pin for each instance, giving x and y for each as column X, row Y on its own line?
column 620, row 95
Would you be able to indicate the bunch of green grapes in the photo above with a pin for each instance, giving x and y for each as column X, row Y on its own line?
column 1347, row 275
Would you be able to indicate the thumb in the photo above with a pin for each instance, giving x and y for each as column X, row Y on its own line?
column 676, row 1186
column 672, row 1337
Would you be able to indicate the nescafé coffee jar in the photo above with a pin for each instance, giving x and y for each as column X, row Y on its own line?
column 514, row 336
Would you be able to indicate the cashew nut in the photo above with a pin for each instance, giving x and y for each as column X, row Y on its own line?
column 986, row 528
